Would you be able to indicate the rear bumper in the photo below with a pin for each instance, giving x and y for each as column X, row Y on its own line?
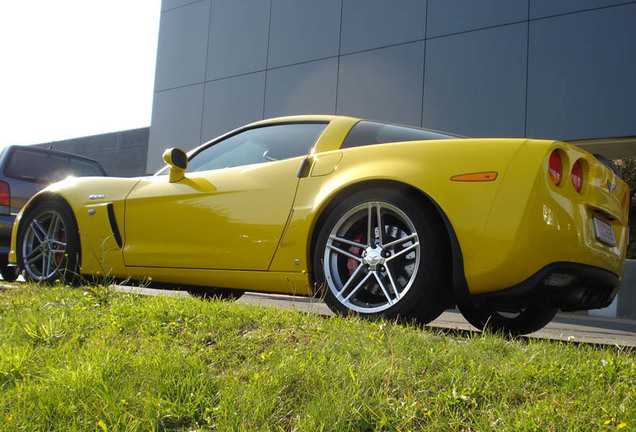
column 567, row 286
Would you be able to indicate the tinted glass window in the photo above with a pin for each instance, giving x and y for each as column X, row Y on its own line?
column 368, row 133
column 263, row 144
column 45, row 167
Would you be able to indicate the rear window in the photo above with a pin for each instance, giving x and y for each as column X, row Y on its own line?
column 369, row 133
column 48, row 167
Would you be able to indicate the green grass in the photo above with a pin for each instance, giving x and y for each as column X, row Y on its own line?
column 94, row 360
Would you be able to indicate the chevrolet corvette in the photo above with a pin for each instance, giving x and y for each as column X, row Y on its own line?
column 380, row 220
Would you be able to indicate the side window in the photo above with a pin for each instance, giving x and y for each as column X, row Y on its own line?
column 368, row 133
column 261, row 144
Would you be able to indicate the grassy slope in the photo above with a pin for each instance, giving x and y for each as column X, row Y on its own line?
column 94, row 360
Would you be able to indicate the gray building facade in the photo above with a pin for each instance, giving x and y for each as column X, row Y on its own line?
column 563, row 69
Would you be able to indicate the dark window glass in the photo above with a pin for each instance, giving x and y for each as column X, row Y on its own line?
column 48, row 167
column 263, row 144
column 368, row 133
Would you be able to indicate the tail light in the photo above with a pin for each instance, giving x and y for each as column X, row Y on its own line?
column 555, row 167
column 577, row 176
column 5, row 195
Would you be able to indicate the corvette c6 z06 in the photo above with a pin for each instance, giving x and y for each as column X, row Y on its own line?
column 380, row 219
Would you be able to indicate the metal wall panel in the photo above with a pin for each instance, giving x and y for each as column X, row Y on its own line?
column 582, row 75
column 172, row 4
column 369, row 24
column 305, row 88
column 238, row 38
column 383, row 84
column 475, row 82
column 176, row 122
column 544, row 8
column 232, row 102
column 455, row 16
column 302, row 31
column 183, row 40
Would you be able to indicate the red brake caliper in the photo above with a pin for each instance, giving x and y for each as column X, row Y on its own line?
column 352, row 264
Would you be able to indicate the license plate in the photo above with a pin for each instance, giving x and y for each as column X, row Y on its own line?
column 604, row 231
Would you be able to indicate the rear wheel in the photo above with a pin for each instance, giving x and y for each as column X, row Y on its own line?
column 48, row 243
column 517, row 321
column 378, row 254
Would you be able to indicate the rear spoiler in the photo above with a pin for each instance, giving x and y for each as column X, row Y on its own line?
column 609, row 164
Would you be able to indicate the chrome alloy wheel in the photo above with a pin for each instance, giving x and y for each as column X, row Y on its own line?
column 371, row 257
column 44, row 245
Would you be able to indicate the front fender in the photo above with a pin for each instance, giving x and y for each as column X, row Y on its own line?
column 88, row 198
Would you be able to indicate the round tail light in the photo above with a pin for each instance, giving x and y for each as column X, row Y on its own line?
column 577, row 176
column 555, row 167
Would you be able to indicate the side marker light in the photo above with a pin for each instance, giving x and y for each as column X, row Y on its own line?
column 475, row 177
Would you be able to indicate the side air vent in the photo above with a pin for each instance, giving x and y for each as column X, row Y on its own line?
column 113, row 224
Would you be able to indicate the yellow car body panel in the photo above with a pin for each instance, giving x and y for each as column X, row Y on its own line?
column 251, row 227
column 229, row 219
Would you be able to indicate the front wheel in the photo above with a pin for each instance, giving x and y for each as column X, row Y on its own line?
column 48, row 243
column 378, row 253
column 518, row 321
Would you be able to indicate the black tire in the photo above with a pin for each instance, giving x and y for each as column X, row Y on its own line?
column 522, row 321
column 9, row 273
column 216, row 293
column 403, row 273
column 48, row 247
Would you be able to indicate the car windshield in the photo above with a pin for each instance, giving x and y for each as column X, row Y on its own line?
column 49, row 167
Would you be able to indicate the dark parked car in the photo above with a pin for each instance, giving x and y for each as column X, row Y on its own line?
column 25, row 170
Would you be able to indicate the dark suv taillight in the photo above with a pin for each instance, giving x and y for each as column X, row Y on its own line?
column 5, row 194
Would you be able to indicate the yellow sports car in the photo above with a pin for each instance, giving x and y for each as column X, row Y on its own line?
column 380, row 219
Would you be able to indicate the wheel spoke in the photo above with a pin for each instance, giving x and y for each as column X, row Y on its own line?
column 38, row 230
column 36, row 250
column 357, row 288
column 351, row 279
column 45, row 266
column 345, row 241
column 400, row 241
column 53, row 226
column 386, row 294
column 369, row 224
column 403, row 251
column 57, row 243
column 344, row 252
column 393, row 285
column 32, row 257
column 379, row 221
column 52, row 264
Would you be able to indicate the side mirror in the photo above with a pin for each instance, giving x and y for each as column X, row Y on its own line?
column 177, row 159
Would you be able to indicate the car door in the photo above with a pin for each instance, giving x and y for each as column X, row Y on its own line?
column 229, row 211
